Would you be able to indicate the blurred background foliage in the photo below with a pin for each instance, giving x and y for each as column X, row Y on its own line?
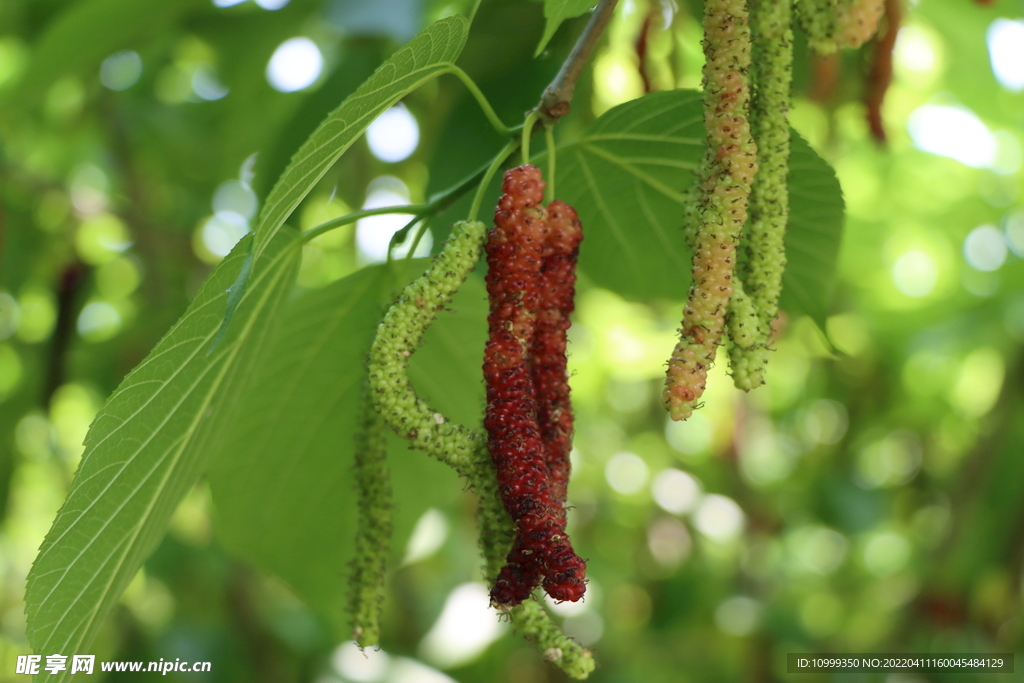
column 867, row 499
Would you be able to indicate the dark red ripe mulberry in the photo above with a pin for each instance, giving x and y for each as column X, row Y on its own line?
column 516, row 280
column 550, row 377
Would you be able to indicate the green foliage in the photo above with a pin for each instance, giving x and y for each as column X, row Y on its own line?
column 625, row 166
column 282, row 475
column 880, row 486
column 424, row 58
column 557, row 11
column 816, row 219
column 623, row 175
column 161, row 448
column 86, row 32
column 145, row 450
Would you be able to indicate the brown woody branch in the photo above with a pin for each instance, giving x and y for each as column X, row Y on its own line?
column 557, row 98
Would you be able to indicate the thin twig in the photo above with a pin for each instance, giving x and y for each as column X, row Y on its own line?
column 410, row 209
column 557, row 98
column 531, row 121
column 504, row 154
column 474, row 90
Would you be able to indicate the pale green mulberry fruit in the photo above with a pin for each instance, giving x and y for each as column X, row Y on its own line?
column 728, row 169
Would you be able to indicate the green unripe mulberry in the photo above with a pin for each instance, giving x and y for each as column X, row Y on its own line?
column 373, row 535
column 758, row 285
column 393, row 396
column 727, row 171
column 830, row 24
column 397, row 338
column 465, row 450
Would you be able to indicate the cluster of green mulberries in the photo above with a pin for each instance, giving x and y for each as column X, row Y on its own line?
column 393, row 403
column 373, row 530
column 528, row 419
column 463, row 449
column 857, row 21
column 400, row 333
column 830, row 24
column 755, row 302
column 726, row 174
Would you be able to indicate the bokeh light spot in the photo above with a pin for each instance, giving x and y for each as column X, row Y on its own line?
column 587, row 628
column 237, row 197
column 89, row 186
column 295, row 65
column 886, row 553
column 427, row 536
column 13, row 59
column 915, row 273
column 363, row 665
column 953, row 132
column 825, row 421
column 669, row 542
column 99, row 321
column 890, row 461
column 10, row 315
column 626, row 473
column 72, row 409
column 466, row 627
column 719, row 518
column 819, row 549
column 406, row 670
column 766, row 457
column 914, row 51
column 207, row 85
column 615, row 80
column 35, row 437
column 374, row 233
column 676, row 491
column 121, row 70
column 738, row 615
column 101, row 238
column 689, row 437
column 1014, row 231
column 978, row 382
column 118, row 278
column 38, row 315
column 393, row 135
column 1005, row 39
column 221, row 232
column 985, row 248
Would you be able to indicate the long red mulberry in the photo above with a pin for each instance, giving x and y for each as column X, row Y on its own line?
column 515, row 259
column 550, row 376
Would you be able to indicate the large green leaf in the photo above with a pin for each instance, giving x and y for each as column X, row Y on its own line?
column 557, row 11
column 282, row 481
column 426, row 56
column 626, row 174
column 816, row 215
column 146, row 448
